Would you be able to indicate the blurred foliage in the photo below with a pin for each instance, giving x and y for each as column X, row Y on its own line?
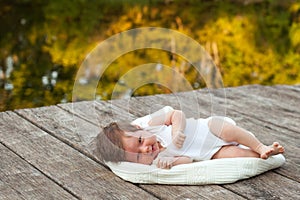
column 251, row 42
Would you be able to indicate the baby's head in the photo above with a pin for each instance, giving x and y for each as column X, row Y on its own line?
column 109, row 144
column 119, row 142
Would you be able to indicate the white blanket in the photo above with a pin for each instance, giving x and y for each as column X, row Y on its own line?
column 218, row 171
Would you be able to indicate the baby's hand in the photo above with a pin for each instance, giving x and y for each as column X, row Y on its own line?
column 165, row 162
column 178, row 139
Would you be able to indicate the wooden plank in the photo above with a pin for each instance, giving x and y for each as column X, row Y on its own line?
column 282, row 100
column 161, row 191
column 6, row 192
column 97, row 112
column 281, row 95
column 70, row 169
column 125, row 105
column 140, row 106
column 260, row 107
column 68, row 128
column 19, row 180
column 143, row 105
column 288, row 90
column 267, row 186
column 190, row 102
column 191, row 192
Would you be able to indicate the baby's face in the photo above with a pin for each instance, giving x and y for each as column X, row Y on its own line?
column 141, row 147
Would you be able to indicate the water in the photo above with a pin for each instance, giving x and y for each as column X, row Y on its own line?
column 44, row 45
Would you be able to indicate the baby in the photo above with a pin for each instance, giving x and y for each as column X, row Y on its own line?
column 166, row 138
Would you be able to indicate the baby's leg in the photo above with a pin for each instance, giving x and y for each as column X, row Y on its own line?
column 231, row 133
column 231, row 151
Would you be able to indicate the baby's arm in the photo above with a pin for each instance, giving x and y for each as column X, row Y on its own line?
column 169, row 162
column 169, row 116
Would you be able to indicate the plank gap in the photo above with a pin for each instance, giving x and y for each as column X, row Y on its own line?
column 65, row 141
column 51, row 179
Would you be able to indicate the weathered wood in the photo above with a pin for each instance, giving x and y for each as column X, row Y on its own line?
column 70, row 169
column 19, row 180
column 57, row 144
column 267, row 186
column 288, row 90
column 97, row 112
column 280, row 95
column 146, row 105
column 191, row 192
column 261, row 108
column 68, row 128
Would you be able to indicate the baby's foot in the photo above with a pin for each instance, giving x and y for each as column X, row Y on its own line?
column 267, row 151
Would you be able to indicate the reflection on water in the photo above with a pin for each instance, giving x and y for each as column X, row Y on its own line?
column 183, row 64
column 43, row 44
column 49, row 80
column 6, row 76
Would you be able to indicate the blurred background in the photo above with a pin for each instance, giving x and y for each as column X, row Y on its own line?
column 44, row 42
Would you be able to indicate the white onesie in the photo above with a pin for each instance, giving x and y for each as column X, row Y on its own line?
column 200, row 143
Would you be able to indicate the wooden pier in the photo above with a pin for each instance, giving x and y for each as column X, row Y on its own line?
column 44, row 151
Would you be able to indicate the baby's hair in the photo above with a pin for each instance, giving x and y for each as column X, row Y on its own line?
column 108, row 143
